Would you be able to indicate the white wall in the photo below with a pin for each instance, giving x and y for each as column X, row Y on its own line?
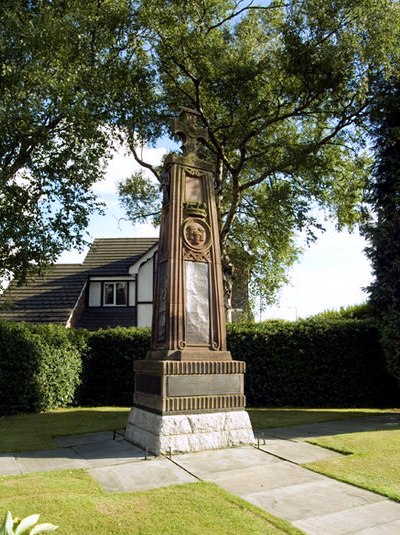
column 145, row 281
column 132, row 294
column 94, row 294
column 144, row 315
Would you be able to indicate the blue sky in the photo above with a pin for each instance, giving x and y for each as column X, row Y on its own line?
column 331, row 273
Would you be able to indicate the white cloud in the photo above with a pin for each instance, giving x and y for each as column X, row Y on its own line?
column 123, row 165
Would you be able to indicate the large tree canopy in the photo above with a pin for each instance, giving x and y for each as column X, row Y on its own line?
column 283, row 89
column 281, row 86
column 64, row 75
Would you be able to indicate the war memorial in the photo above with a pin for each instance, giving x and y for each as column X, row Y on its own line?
column 189, row 393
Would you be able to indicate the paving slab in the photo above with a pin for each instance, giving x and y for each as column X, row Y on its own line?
column 146, row 475
column 337, row 427
column 371, row 516
column 8, row 465
column 44, row 461
column 311, row 499
column 261, row 478
column 211, row 462
column 391, row 528
column 85, row 438
column 296, row 452
column 109, row 453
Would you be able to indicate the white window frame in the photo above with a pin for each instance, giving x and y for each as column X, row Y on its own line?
column 114, row 284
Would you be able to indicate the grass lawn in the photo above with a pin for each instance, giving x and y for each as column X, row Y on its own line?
column 32, row 432
column 373, row 461
column 76, row 503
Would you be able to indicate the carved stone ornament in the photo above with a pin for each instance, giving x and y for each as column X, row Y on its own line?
column 196, row 234
column 195, row 209
column 196, row 256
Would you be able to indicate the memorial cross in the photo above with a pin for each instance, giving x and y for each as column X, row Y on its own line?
column 186, row 127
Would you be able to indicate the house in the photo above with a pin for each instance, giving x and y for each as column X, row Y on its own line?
column 112, row 287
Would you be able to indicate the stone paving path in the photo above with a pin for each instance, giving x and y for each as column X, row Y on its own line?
column 269, row 476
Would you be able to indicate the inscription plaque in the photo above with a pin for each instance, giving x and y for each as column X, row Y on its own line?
column 197, row 303
column 211, row 385
column 194, row 189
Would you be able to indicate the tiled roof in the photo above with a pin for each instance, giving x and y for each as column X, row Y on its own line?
column 115, row 256
column 46, row 299
column 95, row 318
column 51, row 298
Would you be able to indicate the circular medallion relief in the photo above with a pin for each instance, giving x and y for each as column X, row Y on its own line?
column 196, row 234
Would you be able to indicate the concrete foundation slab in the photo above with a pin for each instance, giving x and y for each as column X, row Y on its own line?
column 262, row 478
column 85, row 438
column 296, row 452
column 371, row 516
column 311, row 499
column 145, row 475
column 109, row 453
column 339, row 427
column 8, row 465
column 202, row 464
column 44, row 461
column 391, row 528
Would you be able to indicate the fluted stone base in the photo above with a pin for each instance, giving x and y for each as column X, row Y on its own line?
column 183, row 433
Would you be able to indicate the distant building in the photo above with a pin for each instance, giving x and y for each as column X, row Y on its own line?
column 112, row 287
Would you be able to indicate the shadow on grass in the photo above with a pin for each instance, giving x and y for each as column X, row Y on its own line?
column 363, row 419
column 29, row 432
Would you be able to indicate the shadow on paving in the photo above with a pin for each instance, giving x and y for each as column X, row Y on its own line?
column 388, row 422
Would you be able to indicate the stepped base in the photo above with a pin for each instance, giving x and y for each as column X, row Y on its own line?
column 184, row 433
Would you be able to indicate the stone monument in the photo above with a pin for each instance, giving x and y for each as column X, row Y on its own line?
column 189, row 393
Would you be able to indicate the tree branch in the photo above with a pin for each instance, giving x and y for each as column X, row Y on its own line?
column 142, row 162
column 235, row 14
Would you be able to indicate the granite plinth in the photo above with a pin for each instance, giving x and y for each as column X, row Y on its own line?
column 183, row 433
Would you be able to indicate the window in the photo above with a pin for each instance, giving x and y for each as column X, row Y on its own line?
column 115, row 294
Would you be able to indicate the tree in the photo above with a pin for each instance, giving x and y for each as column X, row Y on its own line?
column 383, row 230
column 65, row 75
column 283, row 90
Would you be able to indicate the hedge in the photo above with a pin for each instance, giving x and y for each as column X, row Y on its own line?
column 107, row 375
column 313, row 363
column 310, row 363
column 40, row 367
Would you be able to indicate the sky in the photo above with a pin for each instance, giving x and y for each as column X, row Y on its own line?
column 331, row 273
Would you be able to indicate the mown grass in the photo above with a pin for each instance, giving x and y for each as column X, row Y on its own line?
column 32, row 432
column 373, row 460
column 72, row 500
